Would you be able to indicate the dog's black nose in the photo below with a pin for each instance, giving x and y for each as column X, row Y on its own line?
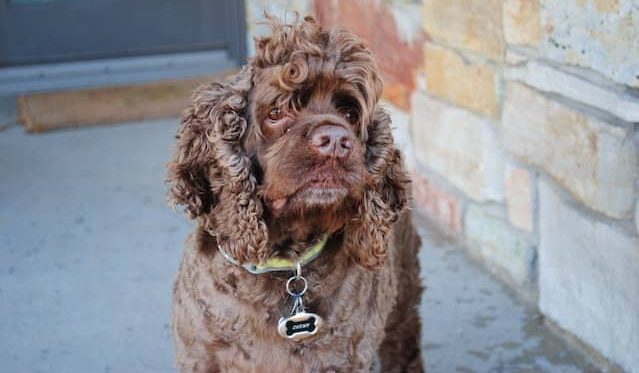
column 332, row 141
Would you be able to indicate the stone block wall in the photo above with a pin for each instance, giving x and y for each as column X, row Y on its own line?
column 520, row 120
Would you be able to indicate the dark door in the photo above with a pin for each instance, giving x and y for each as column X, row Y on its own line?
column 42, row 31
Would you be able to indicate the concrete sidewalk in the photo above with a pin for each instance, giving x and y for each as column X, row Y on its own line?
column 88, row 250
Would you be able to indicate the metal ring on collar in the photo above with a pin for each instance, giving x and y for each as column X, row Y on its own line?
column 288, row 286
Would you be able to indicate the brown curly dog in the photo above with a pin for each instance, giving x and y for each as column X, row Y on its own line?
column 289, row 159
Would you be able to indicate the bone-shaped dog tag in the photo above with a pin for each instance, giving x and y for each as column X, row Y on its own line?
column 299, row 326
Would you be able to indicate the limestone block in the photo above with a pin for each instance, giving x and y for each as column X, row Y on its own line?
column 549, row 79
column 475, row 25
column 588, row 278
column 472, row 85
column 520, row 197
column 437, row 203
column 602, row 35
column 499, row 244
column 521, row 22
column 459, row 146
column 597, row 162
column 401, row 133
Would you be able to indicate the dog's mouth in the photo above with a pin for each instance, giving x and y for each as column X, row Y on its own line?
column 323, row 191
column 324, row 188
column 325, row 181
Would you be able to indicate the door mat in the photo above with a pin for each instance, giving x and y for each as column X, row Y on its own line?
column 42, row 112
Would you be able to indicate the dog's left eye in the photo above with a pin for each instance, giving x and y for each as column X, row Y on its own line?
column 351, row 115
column 275, row 114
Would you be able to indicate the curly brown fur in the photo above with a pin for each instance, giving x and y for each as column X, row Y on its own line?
column 292, row 147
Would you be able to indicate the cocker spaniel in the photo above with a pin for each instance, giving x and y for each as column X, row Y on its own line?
column 304, row 258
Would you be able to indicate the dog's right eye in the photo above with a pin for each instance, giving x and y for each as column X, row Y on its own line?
column 275, row 114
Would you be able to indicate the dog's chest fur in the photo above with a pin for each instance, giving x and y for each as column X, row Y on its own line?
column 224, row 312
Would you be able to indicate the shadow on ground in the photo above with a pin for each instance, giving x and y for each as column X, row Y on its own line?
column 88, row 250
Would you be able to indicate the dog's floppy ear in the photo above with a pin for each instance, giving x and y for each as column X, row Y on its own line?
column 211, row 175
column 384, row 198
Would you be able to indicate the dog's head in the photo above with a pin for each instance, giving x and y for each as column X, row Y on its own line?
column 292, row 147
